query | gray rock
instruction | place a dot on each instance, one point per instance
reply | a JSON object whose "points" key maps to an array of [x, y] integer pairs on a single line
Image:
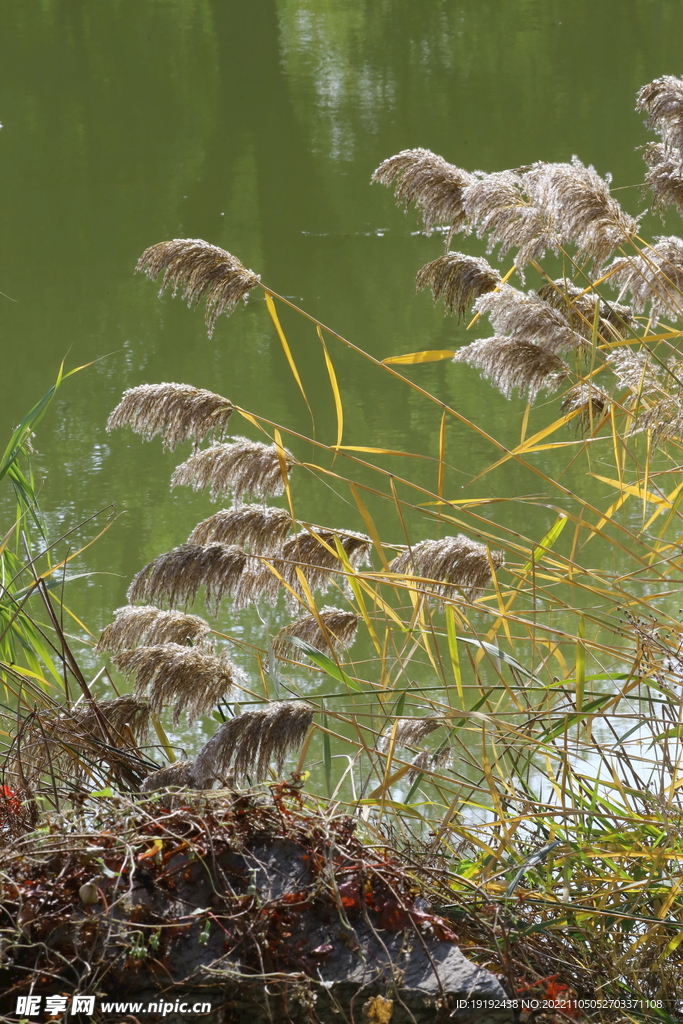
{"points": [[348, 962], [272, 917]]}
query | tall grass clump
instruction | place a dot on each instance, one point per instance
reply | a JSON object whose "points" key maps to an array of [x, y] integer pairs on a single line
{"points": [[59, 740], [513, 715]]}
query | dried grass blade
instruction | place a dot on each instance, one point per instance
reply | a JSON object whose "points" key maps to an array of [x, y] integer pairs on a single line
{"points": [[335, 388], [442, 454], [282, 459], [370, 524], [454, 653], [285, 346], [580, 664], [429, 356]]}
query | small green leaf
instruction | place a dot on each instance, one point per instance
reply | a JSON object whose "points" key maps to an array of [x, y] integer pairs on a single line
{"points": [[325, 663]]}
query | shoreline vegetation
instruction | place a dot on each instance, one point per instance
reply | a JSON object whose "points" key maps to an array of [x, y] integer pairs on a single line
{"points": [[533, 788]]}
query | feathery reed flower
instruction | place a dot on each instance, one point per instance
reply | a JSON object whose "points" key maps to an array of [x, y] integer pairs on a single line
{"points": [[448, 563], [662, 101], [635, 371], [187, 678], [312, 555], [55, 739], [200, 269], [135, 625], [496, 205], [409, 731], [458, 279], [119, 713], [664, 177], [514, 364], [261, 528], [246, 744], [664, 419], [578, 307], [654, 277], [590, 401], [177, 575], [429, 761], [435, 186], [176, 411], [337, 632], [179, 774], [526, 316], [578, 201], [241, 466]]}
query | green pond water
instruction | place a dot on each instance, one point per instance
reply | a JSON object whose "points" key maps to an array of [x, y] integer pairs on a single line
{"points": [[256, 126]]}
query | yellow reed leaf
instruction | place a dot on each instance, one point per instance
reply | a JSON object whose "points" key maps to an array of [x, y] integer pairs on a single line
{"points": [[374, 451], [370, 524], [442, 454], [453, 651], [530, 444], [424, 635], [525, 422], [285, 345], [282, 459], [250, 419], [378, 599], [546, 543], [673, 945], [674, 498], [420, 357], [335, 388], [634, 489], [387, 783], [357, 586]]}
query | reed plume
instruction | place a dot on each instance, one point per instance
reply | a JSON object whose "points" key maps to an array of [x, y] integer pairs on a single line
{"points": [[135, 625], [526, 316], [664, 419], [312, 555], [176, 411], [496, 205], [334, 630], [664, 177], [246, 745], [591, 403], [655, 277], [55, 740], [578, 201], [187, 678], [578, 308], [448, 563], [242, 467], [458, 279], [177, 575], [199, 269], [180, 774], [514, 364], [119, 714], [429, 761], [435, 186], [662, 101], [409, 731], [260, 528], [635, 371]]}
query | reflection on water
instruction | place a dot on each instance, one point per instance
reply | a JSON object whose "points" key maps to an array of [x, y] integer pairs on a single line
{"points": [[257, 126]]}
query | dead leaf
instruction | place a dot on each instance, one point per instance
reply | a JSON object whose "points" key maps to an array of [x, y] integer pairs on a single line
{"points": [[379, 1010]]}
